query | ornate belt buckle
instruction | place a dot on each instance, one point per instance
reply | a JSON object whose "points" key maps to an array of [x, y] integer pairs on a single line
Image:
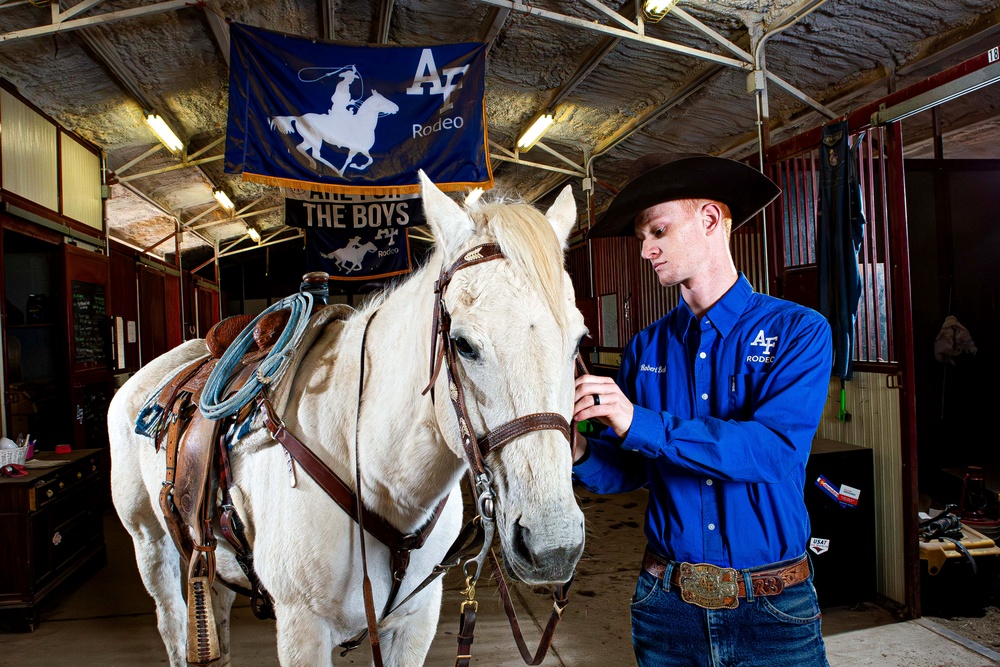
{"points": [[709, 587]]}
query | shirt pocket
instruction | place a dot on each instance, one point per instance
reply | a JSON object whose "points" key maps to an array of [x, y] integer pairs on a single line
{"points": [[745, 390]]}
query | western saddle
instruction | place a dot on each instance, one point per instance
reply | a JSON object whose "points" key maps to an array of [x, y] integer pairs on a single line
{"points": [[198, 470]]}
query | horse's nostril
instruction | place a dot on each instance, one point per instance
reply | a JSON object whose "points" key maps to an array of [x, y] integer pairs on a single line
{"points": [[521, 536]]}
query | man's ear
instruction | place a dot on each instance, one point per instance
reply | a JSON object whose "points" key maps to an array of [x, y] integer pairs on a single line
{"points": [[712, 218]]}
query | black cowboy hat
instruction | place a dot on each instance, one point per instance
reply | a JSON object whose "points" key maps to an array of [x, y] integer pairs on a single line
{"points": [[662, 177]]}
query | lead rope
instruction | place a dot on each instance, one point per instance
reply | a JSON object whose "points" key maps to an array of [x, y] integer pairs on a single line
{"points": [[366, 583]]}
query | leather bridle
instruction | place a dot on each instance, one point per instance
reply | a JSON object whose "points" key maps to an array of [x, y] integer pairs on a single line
{"points": [[480, 476], [443, 353]]}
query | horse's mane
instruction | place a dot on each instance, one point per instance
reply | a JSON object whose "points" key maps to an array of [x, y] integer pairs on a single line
{"points": [[529, 243], [527, 240]]}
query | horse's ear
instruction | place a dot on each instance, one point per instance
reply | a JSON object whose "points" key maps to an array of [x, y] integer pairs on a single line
{"points": [[452, 227], [562, 214]]}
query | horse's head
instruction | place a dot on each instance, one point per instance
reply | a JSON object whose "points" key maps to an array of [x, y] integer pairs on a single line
{"points": [[515, 330], [378, 103]]}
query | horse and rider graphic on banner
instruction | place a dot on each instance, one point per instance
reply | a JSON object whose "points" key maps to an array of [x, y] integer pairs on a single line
{"points": [[349, 124], [392, 112]]}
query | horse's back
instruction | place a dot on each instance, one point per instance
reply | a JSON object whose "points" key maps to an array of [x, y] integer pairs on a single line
{"points": [[134, 460]]}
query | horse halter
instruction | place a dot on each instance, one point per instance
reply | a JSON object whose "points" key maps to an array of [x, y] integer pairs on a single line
{"points": [[443, 350]]}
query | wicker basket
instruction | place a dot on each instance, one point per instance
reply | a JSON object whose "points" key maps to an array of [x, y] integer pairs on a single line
{"points": [[15, 456]]}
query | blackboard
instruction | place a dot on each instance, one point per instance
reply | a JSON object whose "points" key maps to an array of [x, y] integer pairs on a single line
{"points": [[90, 334]]}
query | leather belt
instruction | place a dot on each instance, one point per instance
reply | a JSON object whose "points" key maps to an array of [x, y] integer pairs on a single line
{"points": [[714, 587]]}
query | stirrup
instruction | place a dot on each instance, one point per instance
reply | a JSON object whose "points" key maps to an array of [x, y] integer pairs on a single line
{"points": [[202, 633]]}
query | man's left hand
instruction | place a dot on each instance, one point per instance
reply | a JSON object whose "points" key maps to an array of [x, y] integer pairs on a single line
{"points": [[601, 399]]}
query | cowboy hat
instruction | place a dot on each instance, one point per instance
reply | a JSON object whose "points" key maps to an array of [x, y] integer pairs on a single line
{"points": [[661, 177]]}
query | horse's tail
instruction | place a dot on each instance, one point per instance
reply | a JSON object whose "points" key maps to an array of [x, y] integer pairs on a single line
{"points": [[285, 124]]}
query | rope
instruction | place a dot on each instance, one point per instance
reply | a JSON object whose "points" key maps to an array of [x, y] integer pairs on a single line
{"points": [[271, 368]]}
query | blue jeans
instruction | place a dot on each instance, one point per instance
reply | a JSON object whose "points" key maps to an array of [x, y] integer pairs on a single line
{"points": [[775, 631]]}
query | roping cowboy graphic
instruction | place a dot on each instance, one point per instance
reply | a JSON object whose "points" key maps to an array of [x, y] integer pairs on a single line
{"points": [[350, 258], [341, 126]]}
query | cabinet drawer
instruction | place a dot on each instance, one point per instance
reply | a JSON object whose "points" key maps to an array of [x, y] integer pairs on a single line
{"points": [[67, 525], [60, 482]]}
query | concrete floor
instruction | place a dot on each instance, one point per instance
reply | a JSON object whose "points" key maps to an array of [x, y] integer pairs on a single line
{"points": [[108, 620]]}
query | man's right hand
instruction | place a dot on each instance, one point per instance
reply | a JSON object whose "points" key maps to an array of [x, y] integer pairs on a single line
{"points": [[599, 398]]}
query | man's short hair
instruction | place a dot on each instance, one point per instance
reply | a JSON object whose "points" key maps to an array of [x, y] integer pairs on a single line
{"points": [[692, 206]]}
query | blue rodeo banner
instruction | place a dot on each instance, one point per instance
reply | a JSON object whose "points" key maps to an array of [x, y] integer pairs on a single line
{"points": [[304, 113], [355, 237]]}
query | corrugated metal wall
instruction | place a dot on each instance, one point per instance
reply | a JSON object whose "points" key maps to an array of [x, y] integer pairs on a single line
{"points": [[29, 153], [875, 425], [81, 183]]}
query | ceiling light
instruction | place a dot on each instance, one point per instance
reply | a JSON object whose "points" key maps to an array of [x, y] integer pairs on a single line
{"points": [[164, 133], [253, 233], [654, 10], [224, 200], [535, 131]]}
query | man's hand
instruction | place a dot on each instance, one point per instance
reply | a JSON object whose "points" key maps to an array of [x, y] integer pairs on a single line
{"points": [[601, 399]]}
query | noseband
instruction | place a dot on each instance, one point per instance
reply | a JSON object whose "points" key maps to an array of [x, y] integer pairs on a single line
{"points": [[443, 350]]}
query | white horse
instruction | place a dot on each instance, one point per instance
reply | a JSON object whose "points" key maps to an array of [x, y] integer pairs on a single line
{"points": [[338, 127], [516, 330], [351, 255]]}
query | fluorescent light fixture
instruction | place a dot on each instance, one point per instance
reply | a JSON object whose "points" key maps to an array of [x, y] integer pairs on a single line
{"points": [[535, 131], [164, 133], [654, 10], [253, 233], [224, 200]]}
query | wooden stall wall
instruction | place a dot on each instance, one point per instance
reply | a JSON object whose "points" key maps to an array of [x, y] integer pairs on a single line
{"points": [[124, 309]]}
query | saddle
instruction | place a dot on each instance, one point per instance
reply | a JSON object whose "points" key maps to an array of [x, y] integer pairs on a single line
{"points": [[196, 463]]}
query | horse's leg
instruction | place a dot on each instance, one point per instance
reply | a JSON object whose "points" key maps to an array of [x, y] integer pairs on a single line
{"points": [[350, 156], [303, 637], [406, 639], [316, 154], [304, 148], [222, 605], [159, 567], [365, 165]]}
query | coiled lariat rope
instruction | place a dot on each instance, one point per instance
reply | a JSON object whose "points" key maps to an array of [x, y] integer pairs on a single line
{"points": [[271, 367]]}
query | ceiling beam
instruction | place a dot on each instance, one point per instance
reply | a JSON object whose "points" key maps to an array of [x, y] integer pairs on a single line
{"points": [[183, 165], [385, 8], [495, 20], [104, 53], [220, 29], [328, 11], [953, 42], [616, 32], [100, 19]]}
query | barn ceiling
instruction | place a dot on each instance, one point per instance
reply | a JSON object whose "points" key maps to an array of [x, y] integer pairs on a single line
{"points": [[614, 95]]}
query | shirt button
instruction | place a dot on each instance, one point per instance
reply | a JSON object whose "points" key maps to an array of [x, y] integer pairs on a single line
{"points": [[702, 355], [711, 526], [704, 397], [709, 482]]}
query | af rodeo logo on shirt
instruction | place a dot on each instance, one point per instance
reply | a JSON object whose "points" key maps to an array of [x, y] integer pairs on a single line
{"points": [[766, 344], [363, 120]]}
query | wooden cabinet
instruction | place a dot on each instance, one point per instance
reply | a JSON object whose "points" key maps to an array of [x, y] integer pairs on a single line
{"points": [[51, 527]]}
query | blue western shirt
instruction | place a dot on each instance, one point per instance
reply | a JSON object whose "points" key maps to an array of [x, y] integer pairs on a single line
{"points": [[725, 412]]}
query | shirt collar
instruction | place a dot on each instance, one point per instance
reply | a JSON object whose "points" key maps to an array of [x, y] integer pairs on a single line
{"points": [[723, 315], [727, 310]]}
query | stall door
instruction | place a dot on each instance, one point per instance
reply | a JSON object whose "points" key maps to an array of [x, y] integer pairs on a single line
{"points": [[89, 332]]}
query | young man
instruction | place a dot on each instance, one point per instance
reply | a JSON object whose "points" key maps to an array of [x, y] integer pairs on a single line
{"points": [[714, 411]]}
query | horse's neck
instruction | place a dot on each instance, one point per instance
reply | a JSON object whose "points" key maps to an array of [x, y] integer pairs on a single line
{"points": [[406, 466], [408, 458]]}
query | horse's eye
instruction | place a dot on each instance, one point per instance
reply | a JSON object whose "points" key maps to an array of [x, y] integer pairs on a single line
{"points": [[465, 348]]}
